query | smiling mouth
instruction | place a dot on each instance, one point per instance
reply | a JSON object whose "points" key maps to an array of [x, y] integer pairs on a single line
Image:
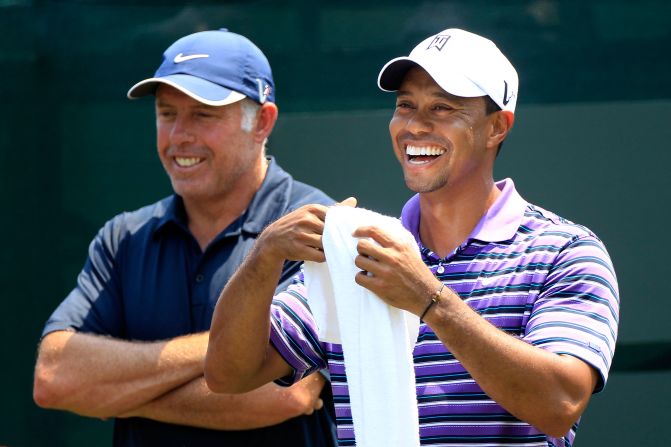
{"points": [[187, 162], [419, 155]]}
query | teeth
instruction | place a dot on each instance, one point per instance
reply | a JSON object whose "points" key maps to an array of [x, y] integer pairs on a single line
{"points": [[424, 150], [187, 161]]}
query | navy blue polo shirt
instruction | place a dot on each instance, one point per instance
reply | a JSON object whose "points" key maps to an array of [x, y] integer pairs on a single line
{"points": [[146, 278]]}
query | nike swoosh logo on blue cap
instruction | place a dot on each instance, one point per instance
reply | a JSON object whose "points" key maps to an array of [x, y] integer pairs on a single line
{"points": [[181, 58]]}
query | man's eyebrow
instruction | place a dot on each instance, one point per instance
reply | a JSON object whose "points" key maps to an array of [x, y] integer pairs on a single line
{"points": [[438, 94], [162, 103], [444, 95]]}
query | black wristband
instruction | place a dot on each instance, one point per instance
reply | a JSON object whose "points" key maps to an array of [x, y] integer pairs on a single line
{"points": [[434, 299]]}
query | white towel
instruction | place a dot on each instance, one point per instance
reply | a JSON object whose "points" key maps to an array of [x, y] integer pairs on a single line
{"points": [[377, 339]]}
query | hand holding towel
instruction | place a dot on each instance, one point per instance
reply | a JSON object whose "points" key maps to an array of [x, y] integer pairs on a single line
{"points": [[377, 339]]}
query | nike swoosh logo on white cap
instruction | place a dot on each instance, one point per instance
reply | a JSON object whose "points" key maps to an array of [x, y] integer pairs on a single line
{"points": [[181, 58]]}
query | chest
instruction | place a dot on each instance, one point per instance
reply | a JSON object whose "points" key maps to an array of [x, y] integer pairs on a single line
{"points": [[170, 288], [500, 282]]}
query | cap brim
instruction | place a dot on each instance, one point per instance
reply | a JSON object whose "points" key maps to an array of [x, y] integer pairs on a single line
{"points": [[199, 89], [452, 81], [393, 72]]}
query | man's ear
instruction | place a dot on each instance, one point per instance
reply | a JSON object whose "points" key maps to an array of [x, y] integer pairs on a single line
{"points": [[502, 122], [265, 122]]}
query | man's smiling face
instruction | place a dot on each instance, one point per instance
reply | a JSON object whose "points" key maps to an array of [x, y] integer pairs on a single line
{"points": [[203, 148], [439, 139]]}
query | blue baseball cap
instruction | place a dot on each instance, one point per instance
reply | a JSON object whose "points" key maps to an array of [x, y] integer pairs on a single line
{"points": [[213, 67]]}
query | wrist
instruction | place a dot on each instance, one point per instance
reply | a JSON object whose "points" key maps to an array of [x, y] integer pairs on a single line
{"points": [[434, 299], [295, 403], [266, 252]]}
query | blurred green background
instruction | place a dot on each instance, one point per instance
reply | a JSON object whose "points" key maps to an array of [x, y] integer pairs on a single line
{"points": [[591, 142]]}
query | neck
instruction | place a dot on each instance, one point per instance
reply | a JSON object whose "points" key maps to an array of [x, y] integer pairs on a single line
{"points": [[448, 217], [209, 217]]}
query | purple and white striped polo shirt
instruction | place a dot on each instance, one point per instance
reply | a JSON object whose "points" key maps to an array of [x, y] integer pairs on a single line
{"points": [[529, 272]]}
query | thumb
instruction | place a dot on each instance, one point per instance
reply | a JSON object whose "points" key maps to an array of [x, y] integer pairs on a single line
{"points": [[350, 201]]}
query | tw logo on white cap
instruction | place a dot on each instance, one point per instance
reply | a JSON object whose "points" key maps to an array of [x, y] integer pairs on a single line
{"points": [[439, 41]]}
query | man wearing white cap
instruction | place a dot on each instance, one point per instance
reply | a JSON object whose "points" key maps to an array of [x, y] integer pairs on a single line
{"points": [[519, 307], [129, 341]]}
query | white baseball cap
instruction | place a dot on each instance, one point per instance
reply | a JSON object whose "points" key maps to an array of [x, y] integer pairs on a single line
{"points": [[462, 63]]}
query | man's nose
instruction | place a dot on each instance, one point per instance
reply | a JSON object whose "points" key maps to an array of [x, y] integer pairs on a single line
{"points": [[418, 123], [181, 131]]}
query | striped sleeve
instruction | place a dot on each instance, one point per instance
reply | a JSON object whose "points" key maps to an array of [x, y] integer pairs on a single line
{"points": [[293, 334], [577, 310]]}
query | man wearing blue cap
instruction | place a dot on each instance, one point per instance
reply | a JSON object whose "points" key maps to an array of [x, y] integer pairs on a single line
{"points": [[129, 341]]}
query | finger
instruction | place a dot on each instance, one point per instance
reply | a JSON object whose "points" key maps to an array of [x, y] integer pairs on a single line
{"points": [[304, 252], [366, 264], [313, 254], [365, 280], [381, 237], [305, 232], [320, 380], [368, 248], [363, 231], [311, 240], [319, 404], [350, 201], [316, 210]]}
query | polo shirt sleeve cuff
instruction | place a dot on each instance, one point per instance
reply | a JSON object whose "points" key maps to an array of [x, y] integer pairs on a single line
{"points": [[291, 356], [589, 353], [294, 336], [577, 310]]}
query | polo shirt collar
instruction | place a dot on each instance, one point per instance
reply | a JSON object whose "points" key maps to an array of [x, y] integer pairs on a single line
{"points": [[172, 212], [267, 205], [271, 200], [500, 222]]}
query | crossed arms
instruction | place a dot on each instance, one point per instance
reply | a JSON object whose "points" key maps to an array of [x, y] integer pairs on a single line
{"points": [[104, 377]]}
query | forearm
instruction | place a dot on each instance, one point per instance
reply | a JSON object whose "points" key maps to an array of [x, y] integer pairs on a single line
{"points": [[239, 351], [240, 357], [195, 405], [544, 389], [102, 377]]}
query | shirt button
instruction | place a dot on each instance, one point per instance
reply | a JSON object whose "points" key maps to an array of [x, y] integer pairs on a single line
{"points": [[200, 278], [440, 269]]}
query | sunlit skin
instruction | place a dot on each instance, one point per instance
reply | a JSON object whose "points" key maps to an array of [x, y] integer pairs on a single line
{"points": [[203, 149], [427, 116], [217, 168], [456, 184]]}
